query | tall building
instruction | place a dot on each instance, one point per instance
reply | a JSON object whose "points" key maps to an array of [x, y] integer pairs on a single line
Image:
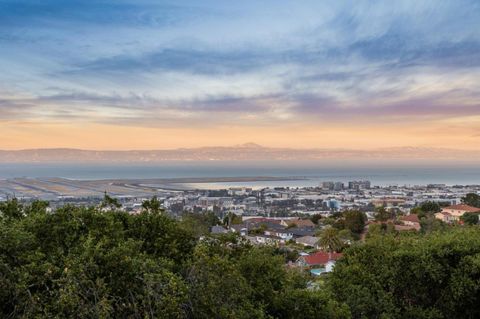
{"points": [[359, 185], [338, 186], [328, 185]]}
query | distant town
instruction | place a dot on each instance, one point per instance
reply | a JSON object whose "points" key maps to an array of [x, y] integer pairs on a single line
{"points": [[276, 215], [325, 199]]}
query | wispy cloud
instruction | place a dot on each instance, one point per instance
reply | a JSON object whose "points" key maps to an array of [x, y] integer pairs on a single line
{"points": [[184, 62]]}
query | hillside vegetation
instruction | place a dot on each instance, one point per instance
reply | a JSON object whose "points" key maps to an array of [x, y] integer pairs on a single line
{"points": [[85, 262]]}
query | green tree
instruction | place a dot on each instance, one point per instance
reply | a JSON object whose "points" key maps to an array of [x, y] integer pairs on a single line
{"points": [[316, 218], [470, 218], [199, 224], [382, 214], [430, 224], [266, 274], [355, 221], [109, 202], [217, 289], [426, 209], [232, 219], [430, 207], [415, 276], [345, 236], [152, 205], [11, 209], [471, 199], [329, 240]]}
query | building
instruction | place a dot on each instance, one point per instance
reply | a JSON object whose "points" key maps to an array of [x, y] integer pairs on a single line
{"points": [[453, 213], [359, 185], [269, 240], [298, 222], [318, 259], [445, 217], [328, 185], [218, 230], [307, 241], [412, 221]]}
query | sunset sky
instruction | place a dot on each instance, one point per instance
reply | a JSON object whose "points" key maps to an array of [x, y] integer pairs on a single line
{"points": [[167, 74]]}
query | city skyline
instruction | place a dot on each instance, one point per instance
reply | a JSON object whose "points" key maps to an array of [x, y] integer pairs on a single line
{"points": [[169, 74]]}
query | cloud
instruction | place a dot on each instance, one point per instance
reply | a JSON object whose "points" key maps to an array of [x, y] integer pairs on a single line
{"points": [[180, 62], [176, 60], [105, 13]]}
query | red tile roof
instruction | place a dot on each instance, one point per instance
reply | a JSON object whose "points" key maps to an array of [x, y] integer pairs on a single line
{"points": [[321, 258], [410, 218], [463, 207]]}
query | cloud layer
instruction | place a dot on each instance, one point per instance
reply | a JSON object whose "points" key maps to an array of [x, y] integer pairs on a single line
{"points": [[210, 64]]}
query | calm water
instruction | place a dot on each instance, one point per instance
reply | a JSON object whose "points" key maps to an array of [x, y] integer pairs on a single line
{"points": [[380, 173]]}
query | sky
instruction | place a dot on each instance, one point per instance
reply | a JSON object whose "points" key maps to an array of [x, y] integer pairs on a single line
{"points": [[305, 74]]}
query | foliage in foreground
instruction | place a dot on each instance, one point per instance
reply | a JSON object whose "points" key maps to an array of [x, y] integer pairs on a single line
{"points": [[81, 262], [431, 276], [87, 263]]}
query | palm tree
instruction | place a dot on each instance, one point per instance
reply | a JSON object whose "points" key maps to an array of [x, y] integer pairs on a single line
{"points": [[329, 240]]}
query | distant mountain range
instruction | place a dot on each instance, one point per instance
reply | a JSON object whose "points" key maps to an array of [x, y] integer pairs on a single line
{"points": [[248, 151]]}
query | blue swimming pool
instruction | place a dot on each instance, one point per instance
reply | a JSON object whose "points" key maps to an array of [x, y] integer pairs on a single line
{"points": [[317, 272]]}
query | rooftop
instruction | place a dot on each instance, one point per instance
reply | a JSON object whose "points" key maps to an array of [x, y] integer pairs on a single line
{"points": [[464, 207], [321, 258]]}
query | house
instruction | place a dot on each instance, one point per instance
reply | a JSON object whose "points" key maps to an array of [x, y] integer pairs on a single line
{"points": [[320, 258], [454, 212], [267, 224], [269, 240], [445, 217], [218, 230], [298, 222], [411, 221], [289, 233], [307, 241], [282, 233], [239, 228], [301, 232]]}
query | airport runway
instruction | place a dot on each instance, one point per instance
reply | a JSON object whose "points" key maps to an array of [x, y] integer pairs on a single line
{"points": [[55, 188]]}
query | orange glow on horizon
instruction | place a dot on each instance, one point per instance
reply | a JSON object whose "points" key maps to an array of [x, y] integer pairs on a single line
{"points": [[24, 135]]}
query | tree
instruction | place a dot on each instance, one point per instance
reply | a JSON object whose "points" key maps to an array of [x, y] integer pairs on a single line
{"points": [[346, 236], [109, 202], [232, 219], [217, 289], [152, 206], [316, 218], [470, 218], [416, 276], [265, 273], [430, 207], [199, 224], [329, 240], [426, 209], [430, 224], [471, 199], [11, 209], [381, 229], [355, 221], [382, 215], [300, 303], [37, 206]]}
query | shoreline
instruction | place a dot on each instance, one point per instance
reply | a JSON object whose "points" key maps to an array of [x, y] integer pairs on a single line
{"points": [[53, 187]]}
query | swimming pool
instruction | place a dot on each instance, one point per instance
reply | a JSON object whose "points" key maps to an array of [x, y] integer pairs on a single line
{"points": [[317, 272]]}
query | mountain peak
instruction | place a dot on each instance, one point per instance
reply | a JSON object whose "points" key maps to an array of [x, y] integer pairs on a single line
{"points": [[249, 145]]}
